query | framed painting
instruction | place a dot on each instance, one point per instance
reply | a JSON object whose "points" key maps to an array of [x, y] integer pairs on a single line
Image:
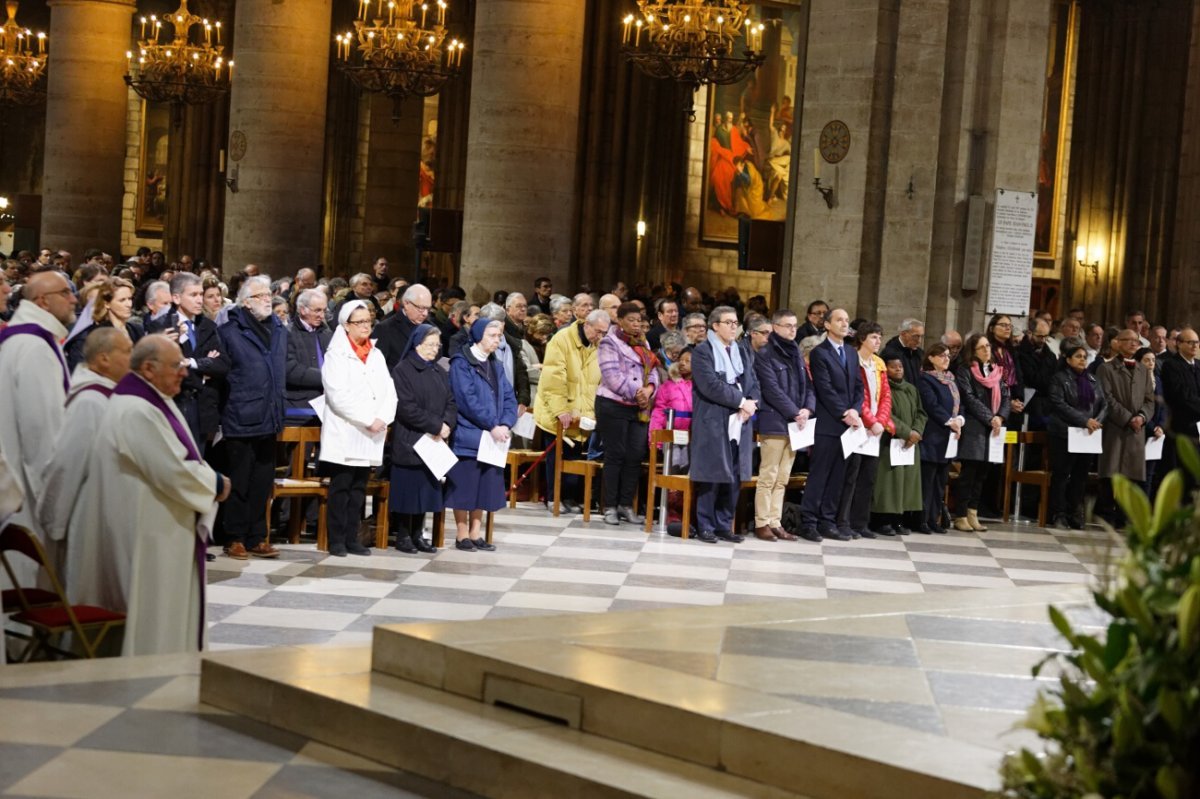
{"points": [[151, 206], [748, 135], [1056, 105]]}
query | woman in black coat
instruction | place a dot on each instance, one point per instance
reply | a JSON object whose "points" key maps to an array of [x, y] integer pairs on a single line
{"points": [[425, 407], [1075, 400], [985, 404], [940, 398]]}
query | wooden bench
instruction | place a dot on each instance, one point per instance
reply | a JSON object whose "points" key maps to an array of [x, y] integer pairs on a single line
{"points": [[1035, 477]]}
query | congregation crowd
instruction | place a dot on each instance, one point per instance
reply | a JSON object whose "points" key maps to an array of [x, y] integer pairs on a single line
{"points": [[139, 394]]}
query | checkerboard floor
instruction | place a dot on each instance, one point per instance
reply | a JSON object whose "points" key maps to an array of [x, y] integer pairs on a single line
{"points": [[554, 565]]}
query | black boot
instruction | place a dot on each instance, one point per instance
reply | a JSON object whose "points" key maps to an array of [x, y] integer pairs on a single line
{"points": [[417, 534], [403, 528]]}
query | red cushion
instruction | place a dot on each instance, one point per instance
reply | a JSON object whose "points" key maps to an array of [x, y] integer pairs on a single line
{"points": [[34, 596], [57, 617]]}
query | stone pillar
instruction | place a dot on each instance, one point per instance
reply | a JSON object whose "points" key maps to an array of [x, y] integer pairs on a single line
{"points": [[390, 202], [277, 135], [520, 196], [85, 125]]}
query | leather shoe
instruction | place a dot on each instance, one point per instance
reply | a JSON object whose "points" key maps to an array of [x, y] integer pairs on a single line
{"points": [[611, 517], [237, 551], [422, 546], [210, 557], [465, 544], [355, 548], [764, 533], [902, 530], [628, 514], [405, 545], [263, 550], [482, 545], [864, 533], [938, 529], [567, 506], [837, 534], [729, 535], [810, 534], [704, 535], [885, 530], [782, 535], [337, 552], [923, 529]]}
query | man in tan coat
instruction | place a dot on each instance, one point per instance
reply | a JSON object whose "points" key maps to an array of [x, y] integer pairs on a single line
{"points": [[1129, 387]]}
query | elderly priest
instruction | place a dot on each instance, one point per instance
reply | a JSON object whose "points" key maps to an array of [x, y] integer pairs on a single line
{"points": [[146, 485]]}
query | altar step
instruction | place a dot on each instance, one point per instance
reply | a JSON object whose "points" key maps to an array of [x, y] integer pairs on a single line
{"points": [[332, 696]]}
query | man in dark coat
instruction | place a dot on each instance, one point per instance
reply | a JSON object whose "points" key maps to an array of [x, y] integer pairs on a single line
{"points": [[256, 343], [307, 340], [787, 398], [906, 348], [199, 397], [723, 385], [392, 333], [837, 383], [1181, 384], [1038, 365], [814, 320]]}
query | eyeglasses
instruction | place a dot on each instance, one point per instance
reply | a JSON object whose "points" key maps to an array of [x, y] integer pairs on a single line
{"points": [[418, 307], [762, 332], [1003, 324], [726, 322], [177, 365], [260, 296], [1189, 341], [358, 321]]}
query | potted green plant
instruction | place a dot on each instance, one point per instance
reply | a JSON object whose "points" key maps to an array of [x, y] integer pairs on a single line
{"points": [[1124, 717]]}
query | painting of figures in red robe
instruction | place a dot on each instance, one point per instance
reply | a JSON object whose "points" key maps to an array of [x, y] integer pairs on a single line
{"points": [[748, 135]]}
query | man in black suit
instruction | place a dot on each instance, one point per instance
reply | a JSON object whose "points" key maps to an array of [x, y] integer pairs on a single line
{"points": [[1181, 384], [837, 383], [199, 398], [308, 339]]}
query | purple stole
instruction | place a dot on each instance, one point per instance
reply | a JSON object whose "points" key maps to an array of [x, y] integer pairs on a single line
{"points": [[107, 392], [132, 385], [46, 336]]}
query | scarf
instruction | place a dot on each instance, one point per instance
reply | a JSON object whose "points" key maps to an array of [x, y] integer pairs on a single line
{"points": [[947, 380], [45, 335], [992, 381], [638, 344], [1004, 360], [363, 351], [727, 362], [1084, 393]]}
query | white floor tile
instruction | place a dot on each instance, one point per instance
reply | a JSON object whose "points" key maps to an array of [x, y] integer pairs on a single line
{"points": [[953, 559], [332, 586], [566, 604], [775, 567], [472, 582], [498, 558], [683, 572], [531, 539], [864, 562], [873, 586], [775, 590], [689, 549], [1050, 577], [417, 609], [588, 553], [574, 576], [676, 595], [292, 618], [964, 580], [1034, 554], [219, 594]]}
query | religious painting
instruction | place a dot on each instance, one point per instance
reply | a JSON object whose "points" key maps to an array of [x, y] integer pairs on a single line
{"points": [[1056, 103], [151, 205], [748, 135], [427, 175]]}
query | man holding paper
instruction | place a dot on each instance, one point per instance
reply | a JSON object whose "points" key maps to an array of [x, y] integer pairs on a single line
{"points": [[1129, 388], [1076, 402], [787, 402], [838, 387]]}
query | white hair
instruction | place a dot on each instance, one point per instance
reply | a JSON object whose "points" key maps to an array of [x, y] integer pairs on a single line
{"points": [[248, 286], [157, 286], [909, 324], [304, 299], [508, 301], [492, 311], [598, 316], [413, 292]]}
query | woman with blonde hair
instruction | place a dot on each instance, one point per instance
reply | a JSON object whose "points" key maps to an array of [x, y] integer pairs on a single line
{"points": [[109, 304]]}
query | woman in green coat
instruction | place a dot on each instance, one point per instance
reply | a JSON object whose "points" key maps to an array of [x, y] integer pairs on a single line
{"points": [[898, 488]]}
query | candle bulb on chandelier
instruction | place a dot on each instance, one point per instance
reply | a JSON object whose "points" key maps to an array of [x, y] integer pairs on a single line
{"points": [[218, 27], [143, 36], [441, 12], [424, 8]]}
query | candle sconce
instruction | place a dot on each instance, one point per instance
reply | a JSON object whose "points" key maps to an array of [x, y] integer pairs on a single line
{"points": [[826, 192], [1081, 257]]}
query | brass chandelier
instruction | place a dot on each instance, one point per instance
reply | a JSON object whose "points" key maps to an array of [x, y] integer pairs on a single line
{"points": [[693, 42], [176, 66], [22, 62], [400, 50]]}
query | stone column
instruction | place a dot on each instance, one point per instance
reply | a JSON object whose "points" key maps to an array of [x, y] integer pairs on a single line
{"points": [[85, 125], [390, 201], [281, 49], [519, 207]]}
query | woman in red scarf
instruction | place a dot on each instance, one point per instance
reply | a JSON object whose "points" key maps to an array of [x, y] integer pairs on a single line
{"points": [[985, 404]]}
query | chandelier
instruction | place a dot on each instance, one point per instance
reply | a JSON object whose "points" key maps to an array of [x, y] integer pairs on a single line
{"points": [[179, 68], [401, 51], [22, 63], [693, 42]]}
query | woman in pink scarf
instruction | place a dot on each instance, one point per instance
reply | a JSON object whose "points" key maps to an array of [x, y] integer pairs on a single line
{"points": [[985, 404]]}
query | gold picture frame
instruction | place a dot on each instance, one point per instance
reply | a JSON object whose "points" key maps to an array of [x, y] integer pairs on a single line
{"points": [[1056, 105], [151, 206]]}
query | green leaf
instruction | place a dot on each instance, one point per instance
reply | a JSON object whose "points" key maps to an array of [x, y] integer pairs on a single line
{"points": [[1189, 617], [1168, 780], [1170, 707], [1166, 502], [1188, 455], [1062, 625], [1135, 504], [1116, 645]]}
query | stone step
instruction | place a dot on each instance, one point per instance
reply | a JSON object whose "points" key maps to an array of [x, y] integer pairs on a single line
{"points": [[331, 695]]}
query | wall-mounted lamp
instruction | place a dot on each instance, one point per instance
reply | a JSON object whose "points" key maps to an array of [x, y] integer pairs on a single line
{"points": [[641, 229], [1092, 263], [3, 203], [910, 191], [232, 179], [825, 191]]}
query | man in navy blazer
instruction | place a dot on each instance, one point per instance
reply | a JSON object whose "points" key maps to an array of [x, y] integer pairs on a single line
{"points": [[839, 389]]}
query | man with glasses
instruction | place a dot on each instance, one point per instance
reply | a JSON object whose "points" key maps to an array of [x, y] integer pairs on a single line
{"points": [[392, 333], [814, 320], [34, 375], [907, 346], [1037, 364], [1181, 384], [695, 328], [255, 342], [1129, 387], [758, 328], [724, 385]]}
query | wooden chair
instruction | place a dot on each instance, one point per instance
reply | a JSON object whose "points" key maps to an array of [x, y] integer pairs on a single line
{"points": [[50, 619], [439, 527], [1035, 477], [381, 491], [300, 484], [588, 470], [518, 458], [657, 480]]}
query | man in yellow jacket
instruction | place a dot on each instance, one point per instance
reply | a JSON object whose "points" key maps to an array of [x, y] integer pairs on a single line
{"points": [[567, 392]]}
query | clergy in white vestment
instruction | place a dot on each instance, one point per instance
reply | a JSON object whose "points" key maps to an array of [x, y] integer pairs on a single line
{"points": [[33, 374], [106, 356], [146, 484]]}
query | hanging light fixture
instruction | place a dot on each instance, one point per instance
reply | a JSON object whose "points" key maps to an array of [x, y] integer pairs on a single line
{"points": [[693, 42], [401, 50], [22, 62], [174, 66]]}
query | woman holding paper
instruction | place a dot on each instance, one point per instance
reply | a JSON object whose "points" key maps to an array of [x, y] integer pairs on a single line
{"points": [[1074, 399], [941, 401], [985, 404], [487, 407], [359, 396], [854, 509], [1155, 428], [898, 487], [425, 409]]}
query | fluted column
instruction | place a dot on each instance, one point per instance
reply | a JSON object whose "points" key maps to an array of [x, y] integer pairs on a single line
{"points": [[82, 184], [277, 107], [520, 193]]}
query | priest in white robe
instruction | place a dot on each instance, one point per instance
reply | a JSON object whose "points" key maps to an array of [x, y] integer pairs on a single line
{"points": [[106, 354], [34, 381], [146, 485]]}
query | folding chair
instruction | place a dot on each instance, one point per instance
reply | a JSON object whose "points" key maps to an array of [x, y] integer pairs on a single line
{"points": [[51, 619], [656, 479]]}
